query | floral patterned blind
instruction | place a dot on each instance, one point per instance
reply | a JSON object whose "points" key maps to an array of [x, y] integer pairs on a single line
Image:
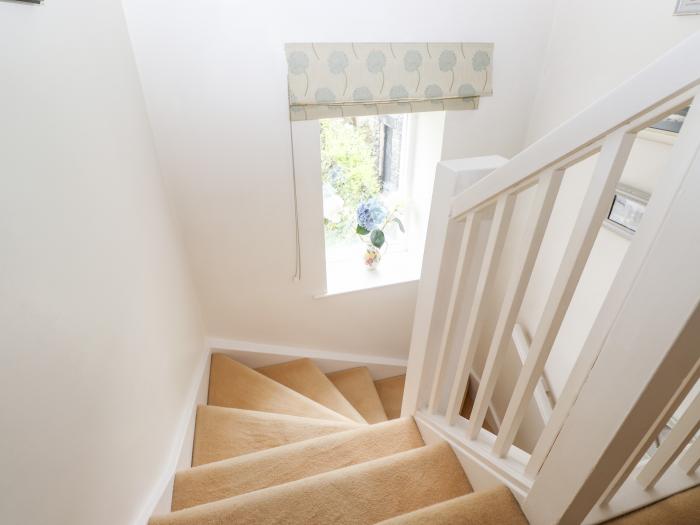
{"points": [[337, 80]]}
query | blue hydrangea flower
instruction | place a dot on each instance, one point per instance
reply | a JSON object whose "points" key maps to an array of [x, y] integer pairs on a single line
{"points": [[481, 60], [371, 213]]}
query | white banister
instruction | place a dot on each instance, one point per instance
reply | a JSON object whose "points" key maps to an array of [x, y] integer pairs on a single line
{"points": [[468, 238], [680, 435], [691, 459], [542, 390], [640, 357], [451, 177], [684, 152], [596, 203], [652, 435], [650, 349], [492, 253], [538, 218]]}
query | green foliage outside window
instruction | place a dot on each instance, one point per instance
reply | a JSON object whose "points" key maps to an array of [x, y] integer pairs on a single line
{"points": [[349, 172]]}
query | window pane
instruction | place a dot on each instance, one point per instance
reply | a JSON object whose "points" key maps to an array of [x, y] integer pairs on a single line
{"points": [[360, 160]]}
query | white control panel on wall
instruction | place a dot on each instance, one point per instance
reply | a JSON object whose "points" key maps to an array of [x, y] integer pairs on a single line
{"points": [[687, 7]]}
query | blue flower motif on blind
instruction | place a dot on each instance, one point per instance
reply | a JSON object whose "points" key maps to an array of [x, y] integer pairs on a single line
{"points": [[433, 91], [480, 62], [324, 96], [298, 64], [412, 61], [362, 94], [447, 62], [337, 64], [397, 92], [466, 90], [376, 61]]}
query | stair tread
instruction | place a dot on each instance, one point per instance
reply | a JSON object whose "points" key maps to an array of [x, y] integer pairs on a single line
{"points": [[231, 477], [303, 376], [357, 385], [390, 391], [489, 507], [364, 493], [234, 385], [222, 433]]}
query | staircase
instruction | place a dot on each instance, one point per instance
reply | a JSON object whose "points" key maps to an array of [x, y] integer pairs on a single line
{"points": [[289, 444]]}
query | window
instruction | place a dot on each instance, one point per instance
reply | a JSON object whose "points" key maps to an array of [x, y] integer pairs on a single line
{"points": [[347, 161], [361, 159]]}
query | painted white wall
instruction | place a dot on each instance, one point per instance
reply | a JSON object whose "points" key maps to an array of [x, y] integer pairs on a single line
{"points": [[594, 47], [99, 329], [214, 77]]}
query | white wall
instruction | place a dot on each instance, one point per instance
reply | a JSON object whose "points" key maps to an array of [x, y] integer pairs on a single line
{"points": [[99, 333], [594, 46], [214, 77]]}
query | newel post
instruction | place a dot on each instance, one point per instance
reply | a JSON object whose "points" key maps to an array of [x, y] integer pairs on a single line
{"points": [[451, 178]]}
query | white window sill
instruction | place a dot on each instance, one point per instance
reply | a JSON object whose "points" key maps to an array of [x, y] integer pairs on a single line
{"points": [[351, 275]]}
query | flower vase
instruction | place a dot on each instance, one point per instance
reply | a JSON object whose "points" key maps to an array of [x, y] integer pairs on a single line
{"points": [[372, 256]]}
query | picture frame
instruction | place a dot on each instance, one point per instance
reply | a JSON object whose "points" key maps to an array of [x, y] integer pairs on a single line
{"points": [[626, 210], [687, 7]]}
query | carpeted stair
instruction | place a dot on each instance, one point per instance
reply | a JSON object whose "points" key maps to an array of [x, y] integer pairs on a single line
{"points": [[357, 385], [287, 444]]}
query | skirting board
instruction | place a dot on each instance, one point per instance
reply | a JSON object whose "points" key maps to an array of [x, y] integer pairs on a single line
{"points": [[180, 456], [256, 355]]}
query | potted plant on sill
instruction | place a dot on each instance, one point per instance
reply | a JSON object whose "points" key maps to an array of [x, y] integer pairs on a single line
{"points": [[372, 219]]}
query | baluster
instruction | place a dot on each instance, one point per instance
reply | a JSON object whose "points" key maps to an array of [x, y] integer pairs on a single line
{"points": [[684, 153], [468, 237], [540, 211], [494, 247], [691, 459], [596, 204], [672, 446]]}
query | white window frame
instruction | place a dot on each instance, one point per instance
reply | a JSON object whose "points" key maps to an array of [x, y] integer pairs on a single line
{"points": [[314, 270]]}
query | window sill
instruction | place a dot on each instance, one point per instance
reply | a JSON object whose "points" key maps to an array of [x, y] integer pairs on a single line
{"points": [[350, 275]]}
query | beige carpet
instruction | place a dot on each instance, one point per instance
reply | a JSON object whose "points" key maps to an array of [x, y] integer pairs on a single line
{"points": [[224, 479], [680, 509], [234, 385], [357, 386], [222, 433], [489, 507], [306, 378], [390, 391], [360, 494]]}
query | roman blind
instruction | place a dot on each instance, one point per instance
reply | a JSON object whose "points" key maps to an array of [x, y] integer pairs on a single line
{"points": [[353, 79]]}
